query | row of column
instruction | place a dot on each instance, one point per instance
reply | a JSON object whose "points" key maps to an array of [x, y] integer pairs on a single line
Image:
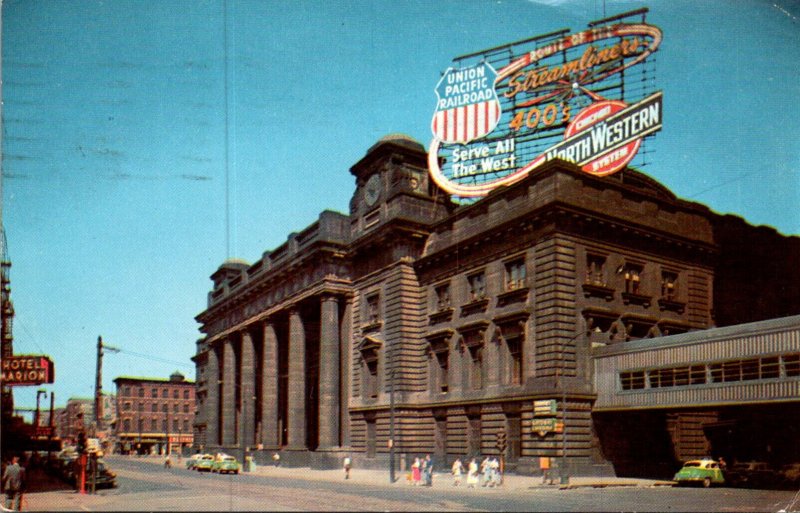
{"points": [[223, 387]]}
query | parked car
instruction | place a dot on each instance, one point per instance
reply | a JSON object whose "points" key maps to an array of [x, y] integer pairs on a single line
{"points": [[192, 461], [225, 464], [105, 478], [789, 475], [204, 463], [705, 472], [751, 474]]}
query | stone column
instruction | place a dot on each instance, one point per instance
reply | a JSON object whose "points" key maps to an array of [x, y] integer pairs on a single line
{"points": [[247, 422], [212, 399], [269, 389], [329, 373], [228, 394], [346, 336], [297, 382]]}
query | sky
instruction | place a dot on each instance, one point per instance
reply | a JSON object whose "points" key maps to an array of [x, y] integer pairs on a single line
{"points": [[143, 143]]}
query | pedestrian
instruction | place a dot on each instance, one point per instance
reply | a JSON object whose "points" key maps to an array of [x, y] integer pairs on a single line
{"points": [[347, 463], [457, 470], [276, 458], [472, 473], [496, 477], [415, 471], [486, 471], [14, 484], [167, 462], [427, 468]]}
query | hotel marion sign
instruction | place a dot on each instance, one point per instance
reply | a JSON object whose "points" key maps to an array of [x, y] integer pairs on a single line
{"points": [[492, 127], [27, 370]]}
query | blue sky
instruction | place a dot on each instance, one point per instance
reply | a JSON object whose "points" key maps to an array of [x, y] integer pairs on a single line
{"points": [[114, 130]]}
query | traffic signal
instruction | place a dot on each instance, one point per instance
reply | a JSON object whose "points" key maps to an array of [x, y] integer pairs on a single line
{"points": [[501, 441], [81, 448]]}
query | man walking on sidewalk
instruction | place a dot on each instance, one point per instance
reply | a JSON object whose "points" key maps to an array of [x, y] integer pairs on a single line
{"points": [[14, 484]]}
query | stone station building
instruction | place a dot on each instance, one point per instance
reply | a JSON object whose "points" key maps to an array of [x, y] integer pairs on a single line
{"points": [[450, 324]]}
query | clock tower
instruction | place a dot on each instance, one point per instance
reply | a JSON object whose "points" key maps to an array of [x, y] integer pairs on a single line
{"points": [[392, 182]]}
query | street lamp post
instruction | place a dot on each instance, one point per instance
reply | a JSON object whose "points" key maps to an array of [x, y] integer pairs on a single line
{"points": [[39, 393]]}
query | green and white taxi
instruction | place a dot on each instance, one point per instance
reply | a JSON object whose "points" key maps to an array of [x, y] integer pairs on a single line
{"points": [[705, 472]]}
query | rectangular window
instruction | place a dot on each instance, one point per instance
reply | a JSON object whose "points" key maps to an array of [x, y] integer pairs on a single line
{"points": [[126, 406], [154, 392], [165, 393], [515, 274], [791, 364], [595, 269], [750, 369], [164, 408], [633, 380], [698, 374], [154, 407], [373, 309], [716, 373], [633, 277], [372, 378], [515, 365], [770, 367], [681, 376], [442, 368], [442, 297], [164, 425], [669, 285], [477, 286], [141, 392], [731, 371], [186, 425], [175, 425], [185, 394], [660, 378], [476, 367], [175, 393], [153, 425]]}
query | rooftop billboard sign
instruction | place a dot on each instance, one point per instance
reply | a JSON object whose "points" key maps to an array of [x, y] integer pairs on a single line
{"points": [[561, 95]]}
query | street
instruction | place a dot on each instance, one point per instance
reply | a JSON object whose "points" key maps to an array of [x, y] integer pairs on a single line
{"points": [[145, 485]]}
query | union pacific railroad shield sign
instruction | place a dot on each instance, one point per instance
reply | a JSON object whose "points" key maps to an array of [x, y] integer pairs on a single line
{"points": [[467, 107]]}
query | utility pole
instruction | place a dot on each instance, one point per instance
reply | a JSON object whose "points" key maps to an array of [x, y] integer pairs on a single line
{"points": [[98, 383], [98, 386]]}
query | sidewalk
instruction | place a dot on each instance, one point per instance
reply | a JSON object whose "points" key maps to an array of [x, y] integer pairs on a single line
{"points": [[510, 481], [381, 478]]}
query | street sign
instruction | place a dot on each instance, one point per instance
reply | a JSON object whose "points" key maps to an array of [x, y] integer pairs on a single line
{"points": [[544, 408], [543, 426]]}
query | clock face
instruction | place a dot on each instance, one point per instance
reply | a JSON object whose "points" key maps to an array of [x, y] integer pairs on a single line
{"points": [[372, 190]]}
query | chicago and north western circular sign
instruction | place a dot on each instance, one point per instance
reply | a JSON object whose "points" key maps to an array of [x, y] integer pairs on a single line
{"points": [[585, 97]]}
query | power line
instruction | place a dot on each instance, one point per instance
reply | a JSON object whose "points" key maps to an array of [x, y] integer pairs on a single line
{"points": [[155, 358], [721, 184]]}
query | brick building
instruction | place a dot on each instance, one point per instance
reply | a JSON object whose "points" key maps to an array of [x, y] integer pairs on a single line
{"points": [[75, 418], [153, 414], [450, 324]]}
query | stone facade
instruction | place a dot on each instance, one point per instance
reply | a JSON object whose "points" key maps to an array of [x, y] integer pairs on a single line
{"points": [[463, 317]]}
